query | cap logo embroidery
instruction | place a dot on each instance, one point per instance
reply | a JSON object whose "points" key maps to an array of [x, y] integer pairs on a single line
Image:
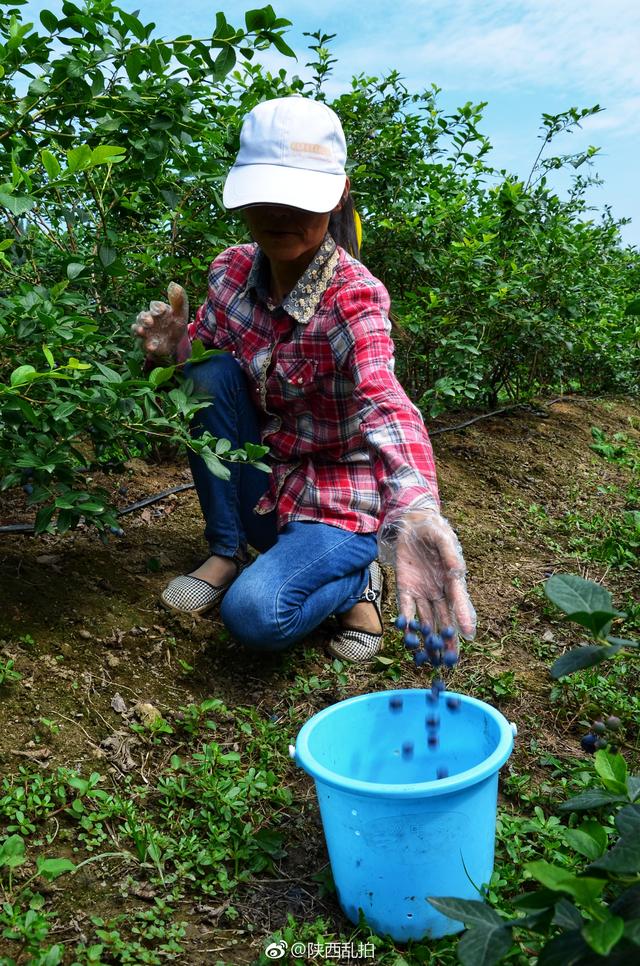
{"points": [[301, 147]]}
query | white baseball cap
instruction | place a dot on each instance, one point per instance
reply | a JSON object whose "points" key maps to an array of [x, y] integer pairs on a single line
{"points": [[292, 152]]}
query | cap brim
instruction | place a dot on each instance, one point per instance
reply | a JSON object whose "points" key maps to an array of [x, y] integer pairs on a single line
{"points": [[272, 184]]}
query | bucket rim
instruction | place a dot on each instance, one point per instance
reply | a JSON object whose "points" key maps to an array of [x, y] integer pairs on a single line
{"points": [[438, 786]]}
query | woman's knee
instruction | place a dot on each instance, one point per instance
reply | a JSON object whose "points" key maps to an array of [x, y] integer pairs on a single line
{"points": [[250, 614], [217, 373]]}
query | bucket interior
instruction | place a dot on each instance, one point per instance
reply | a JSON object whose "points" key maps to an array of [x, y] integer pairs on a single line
{"points": [[363, 740]]}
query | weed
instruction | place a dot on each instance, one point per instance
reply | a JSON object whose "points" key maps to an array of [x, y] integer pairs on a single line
{"points": [[7, 673]]}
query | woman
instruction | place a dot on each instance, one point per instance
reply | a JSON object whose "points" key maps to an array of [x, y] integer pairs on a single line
{"points": [[308, 371]]}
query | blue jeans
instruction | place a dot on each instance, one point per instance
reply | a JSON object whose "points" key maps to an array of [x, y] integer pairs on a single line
{"points": [[305, 572]]}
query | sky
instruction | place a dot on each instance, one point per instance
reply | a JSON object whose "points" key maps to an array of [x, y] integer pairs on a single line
{"points": [[524, 57]]}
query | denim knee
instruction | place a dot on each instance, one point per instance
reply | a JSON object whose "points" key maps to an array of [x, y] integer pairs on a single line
{"points": [[215, 374], [251, 617]]}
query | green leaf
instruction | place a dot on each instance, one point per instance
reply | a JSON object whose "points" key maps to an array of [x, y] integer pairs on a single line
{"points": [[633, 308], [224, 62], [256, 19], [160, 375], [628, 821], [46, 351], [52, 868], [468, 911], [612, 770], [566, 915], [107, 154], [12, 852], [79, 158], [584, 890], [16, 204], [484, 945], [603, 936], [593, 798], [48, 20], [74, 269], [280, 44], [23, 375], [43, 518], [213, 463], [623, 858], [589, 840], [51, 164], [632, 931], [581, 657], [583, 601], [107, 255]]}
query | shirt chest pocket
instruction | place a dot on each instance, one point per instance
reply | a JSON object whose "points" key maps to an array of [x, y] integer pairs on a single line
{"points": [[296, 378]]}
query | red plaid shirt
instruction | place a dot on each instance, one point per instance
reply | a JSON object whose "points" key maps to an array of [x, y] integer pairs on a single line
{"points": [[346, 444]]}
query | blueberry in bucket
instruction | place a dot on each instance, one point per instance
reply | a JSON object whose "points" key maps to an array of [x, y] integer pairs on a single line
{"points": [[453, 704], [407, 749], [395, 704], [442, 772]]}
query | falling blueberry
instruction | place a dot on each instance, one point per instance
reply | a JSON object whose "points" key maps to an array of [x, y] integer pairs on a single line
{"points": [[435, 656], [411, 641], [432, 721], [613, 723], [419, 657], [453, 704], [414, 625], [450, 658], [407, 749], [432, 740], [442, 772], [448, 633], [438, 686], [401, 622], [395, 704], [425, 630], [588, 743], [431, 698]]}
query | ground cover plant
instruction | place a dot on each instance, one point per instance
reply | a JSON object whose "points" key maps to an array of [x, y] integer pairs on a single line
{"points": [[149, 811]]}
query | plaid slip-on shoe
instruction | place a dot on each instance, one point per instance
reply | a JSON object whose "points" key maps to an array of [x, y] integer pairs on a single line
{"points": [[354, 645], [191, 595]]}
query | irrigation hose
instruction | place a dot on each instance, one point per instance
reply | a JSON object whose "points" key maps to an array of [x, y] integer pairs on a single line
{"points": [[29, 527]]}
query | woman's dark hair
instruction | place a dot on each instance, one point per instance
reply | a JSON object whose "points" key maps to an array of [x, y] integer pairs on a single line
{"points": [[342, 227]]}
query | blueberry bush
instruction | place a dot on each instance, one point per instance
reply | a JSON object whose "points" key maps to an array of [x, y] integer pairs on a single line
{"points": [[114, 147]]}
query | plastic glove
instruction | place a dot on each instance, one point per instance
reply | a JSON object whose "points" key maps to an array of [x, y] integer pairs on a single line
{"points": [[430, 569], [163, 327]]}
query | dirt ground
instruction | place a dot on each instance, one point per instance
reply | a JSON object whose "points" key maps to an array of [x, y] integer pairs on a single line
{"points": [[82, 622]]}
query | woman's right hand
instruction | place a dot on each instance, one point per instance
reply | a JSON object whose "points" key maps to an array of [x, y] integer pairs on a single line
{"points": [[163, 327]]}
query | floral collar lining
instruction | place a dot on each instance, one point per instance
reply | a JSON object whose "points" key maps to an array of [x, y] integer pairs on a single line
{"points": [[303, 300]]}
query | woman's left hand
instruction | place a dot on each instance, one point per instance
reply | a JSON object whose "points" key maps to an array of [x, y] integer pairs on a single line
{"points": [[431, 573]]}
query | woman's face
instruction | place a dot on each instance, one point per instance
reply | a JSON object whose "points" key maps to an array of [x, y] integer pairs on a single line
{"points": [[286, 234]]}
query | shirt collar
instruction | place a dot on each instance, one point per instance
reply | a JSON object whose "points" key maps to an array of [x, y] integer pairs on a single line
{"points": [[303, 300]]}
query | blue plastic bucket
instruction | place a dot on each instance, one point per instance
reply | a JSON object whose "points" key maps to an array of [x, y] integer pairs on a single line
{"points": [[396, 834]]}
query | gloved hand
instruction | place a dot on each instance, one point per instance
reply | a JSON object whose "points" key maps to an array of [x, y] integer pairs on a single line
{"points": [[163, 327], [430, 570]]}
